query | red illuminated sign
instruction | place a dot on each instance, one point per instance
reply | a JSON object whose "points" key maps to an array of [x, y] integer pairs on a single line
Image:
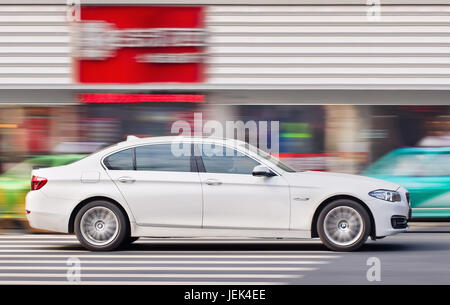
{"points": [[139, 44], [99, 98]]}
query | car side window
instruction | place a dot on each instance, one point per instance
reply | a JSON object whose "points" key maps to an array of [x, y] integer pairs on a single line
{"points": [[159, 157], [122, 160], [438, 166], [225, 160]]}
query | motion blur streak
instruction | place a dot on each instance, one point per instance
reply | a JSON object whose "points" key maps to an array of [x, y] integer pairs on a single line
{"points": [[355, 88], [141, 98]]}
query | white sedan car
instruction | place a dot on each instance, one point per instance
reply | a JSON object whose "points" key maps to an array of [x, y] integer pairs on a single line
{"points": [[202, 187]]}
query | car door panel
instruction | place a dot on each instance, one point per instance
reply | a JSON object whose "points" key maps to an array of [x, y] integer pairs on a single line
{"points": [[235, 199], [162, 198], [162, 189], [430, 196], [424, 173], [244, 201]]}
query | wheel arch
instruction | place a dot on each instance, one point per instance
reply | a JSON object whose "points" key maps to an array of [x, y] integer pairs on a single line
{"points": [[78, 207], [324, 203]]}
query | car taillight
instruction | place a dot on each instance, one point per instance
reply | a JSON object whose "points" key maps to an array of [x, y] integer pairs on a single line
{"points": [[37, 182]]}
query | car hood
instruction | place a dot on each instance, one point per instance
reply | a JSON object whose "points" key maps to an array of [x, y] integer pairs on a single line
{"points": [[338, 180]]}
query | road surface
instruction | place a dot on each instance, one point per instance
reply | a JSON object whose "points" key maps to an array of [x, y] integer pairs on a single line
{"points": [[409, 258]]}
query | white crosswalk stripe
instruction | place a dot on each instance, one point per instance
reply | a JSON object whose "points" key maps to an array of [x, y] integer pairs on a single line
{"points": [[156, 268], [43, 259], [200, 283]]}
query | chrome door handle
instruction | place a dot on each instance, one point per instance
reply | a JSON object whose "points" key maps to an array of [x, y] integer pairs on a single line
{"points": [[213, 182], [126, 179], [301, 198]]}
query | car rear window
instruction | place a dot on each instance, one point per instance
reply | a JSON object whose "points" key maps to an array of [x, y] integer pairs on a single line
{"points": [[159, 157], [439, 165], [122, 160]]}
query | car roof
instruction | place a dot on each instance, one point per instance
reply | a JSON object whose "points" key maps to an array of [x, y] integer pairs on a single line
{"points": [[57, 156], [148, 140], [133, 141], [421, 150]]}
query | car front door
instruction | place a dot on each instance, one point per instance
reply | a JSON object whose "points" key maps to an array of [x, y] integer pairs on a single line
{"points": [[233, 198], [160, 187], [430, 188]]}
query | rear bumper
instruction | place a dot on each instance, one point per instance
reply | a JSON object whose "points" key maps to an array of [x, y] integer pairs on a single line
{"points": [[44, 214]]}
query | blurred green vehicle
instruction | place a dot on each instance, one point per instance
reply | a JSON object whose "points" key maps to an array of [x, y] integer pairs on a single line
{"points": [[15, 182], [424, 172]]}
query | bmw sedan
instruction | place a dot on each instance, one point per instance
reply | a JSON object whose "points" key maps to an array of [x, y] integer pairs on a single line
{"points": [[203, 187]]}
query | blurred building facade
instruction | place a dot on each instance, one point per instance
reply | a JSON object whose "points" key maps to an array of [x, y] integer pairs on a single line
{"points": [[347, 81]]}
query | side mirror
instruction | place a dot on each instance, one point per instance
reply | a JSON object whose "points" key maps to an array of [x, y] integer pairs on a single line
{"points": [[262, 171]]}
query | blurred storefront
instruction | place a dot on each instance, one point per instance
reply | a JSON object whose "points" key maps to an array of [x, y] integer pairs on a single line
{"points": [[336, 78], [33, 130]]}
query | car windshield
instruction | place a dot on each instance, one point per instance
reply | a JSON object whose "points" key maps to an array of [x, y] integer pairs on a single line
{"points": [[269, 157]]}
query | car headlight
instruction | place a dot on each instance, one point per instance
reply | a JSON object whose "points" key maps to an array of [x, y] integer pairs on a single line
{"points": [[386, 195]]}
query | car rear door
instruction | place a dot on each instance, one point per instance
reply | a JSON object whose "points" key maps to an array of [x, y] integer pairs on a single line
{"points": [[430, 188], [161, 188]]}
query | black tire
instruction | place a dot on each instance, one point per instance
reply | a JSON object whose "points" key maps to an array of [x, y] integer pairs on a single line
{"points": [[128, 241], [132, 239], [359, 238], [117, 239]]}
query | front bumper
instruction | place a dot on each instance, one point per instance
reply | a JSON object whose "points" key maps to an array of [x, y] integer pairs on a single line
{"points": [[399, 222], [390, 217]]}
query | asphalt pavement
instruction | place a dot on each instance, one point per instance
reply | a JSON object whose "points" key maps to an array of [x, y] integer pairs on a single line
{"points": [[408, 258]]}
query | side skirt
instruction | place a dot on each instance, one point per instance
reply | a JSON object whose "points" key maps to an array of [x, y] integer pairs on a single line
{"points": [[154, 231]]}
